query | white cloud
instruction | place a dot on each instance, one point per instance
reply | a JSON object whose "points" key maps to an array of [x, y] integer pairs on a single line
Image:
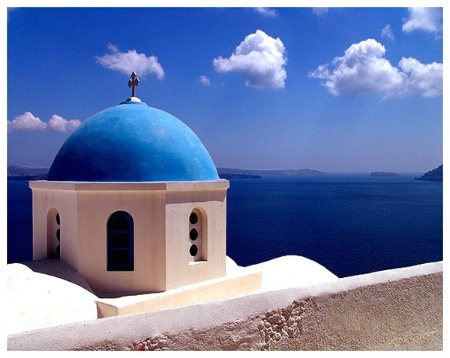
{"points": [[28, 122], [387, 32], [423, 79], [363, 69], [426, 19], [127, 62], [265, 11], [59, 124], [205, 80], [260, 59]]}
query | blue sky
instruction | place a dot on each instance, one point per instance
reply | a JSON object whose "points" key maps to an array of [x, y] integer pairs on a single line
{"points": [[333, 89]]}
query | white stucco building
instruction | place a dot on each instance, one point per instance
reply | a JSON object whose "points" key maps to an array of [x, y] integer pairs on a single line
{"points": [[133, 202]]}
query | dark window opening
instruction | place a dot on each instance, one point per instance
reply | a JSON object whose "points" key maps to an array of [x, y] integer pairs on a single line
{"points": [[193, 234], [193, 250], [120, 242], [193, 218], [53, 234], [120, 223], [197, 238], [120, 257]]}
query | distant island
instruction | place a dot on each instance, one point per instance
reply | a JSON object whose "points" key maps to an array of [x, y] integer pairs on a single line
{"points": [[16, 172], [238, 176], [436, 174], [384, 174], [231, 173]]}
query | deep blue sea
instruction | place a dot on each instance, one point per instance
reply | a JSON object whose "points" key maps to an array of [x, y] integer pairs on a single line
{"points": [[349, 223]]}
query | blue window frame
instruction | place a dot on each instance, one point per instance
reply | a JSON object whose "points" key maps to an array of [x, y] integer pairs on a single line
{"points": [[120, 242]]}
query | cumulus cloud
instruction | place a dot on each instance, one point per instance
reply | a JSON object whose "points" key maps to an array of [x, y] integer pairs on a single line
{"points": [[265, 11], [127, 62], [259, 58], [205, 80], [363, 69], [423, 79], [28, 122], [387, 32], [426, 19], [59, 124]]}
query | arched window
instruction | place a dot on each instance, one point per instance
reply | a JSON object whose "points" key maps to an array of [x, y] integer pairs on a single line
{"points": [[197, 239], [53, 234], [120, 242]]}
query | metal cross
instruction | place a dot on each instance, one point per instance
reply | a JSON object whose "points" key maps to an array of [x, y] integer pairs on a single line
{"points": [[133, 83]]}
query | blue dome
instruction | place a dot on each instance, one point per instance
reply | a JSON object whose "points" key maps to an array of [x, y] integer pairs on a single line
{"points": [[132, 142]]}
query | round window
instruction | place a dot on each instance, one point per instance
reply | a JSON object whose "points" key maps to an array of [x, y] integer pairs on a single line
{"points": [[193, 218], [193, 234], [193, 250]]}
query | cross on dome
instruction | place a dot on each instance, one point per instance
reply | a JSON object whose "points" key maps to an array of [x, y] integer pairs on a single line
{"points": [[133, 83]]}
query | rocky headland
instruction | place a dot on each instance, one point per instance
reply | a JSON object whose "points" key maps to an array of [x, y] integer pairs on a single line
{"points": [[436, 174]]}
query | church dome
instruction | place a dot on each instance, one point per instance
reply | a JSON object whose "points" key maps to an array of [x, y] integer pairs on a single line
{"points": [[132, 142]]}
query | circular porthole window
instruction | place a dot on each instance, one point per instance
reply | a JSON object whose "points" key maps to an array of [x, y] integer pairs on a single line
{"points": [[193, 218], [193, 250], [193, 234]]}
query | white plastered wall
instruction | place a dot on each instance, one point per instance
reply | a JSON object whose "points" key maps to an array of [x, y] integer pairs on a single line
{"points": [[180, 203], [160, 213], [64, 203]]}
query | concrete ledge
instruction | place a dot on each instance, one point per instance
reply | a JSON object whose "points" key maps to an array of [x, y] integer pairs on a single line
{"points": [[207, 291], [219, 184], [397, 309]]}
